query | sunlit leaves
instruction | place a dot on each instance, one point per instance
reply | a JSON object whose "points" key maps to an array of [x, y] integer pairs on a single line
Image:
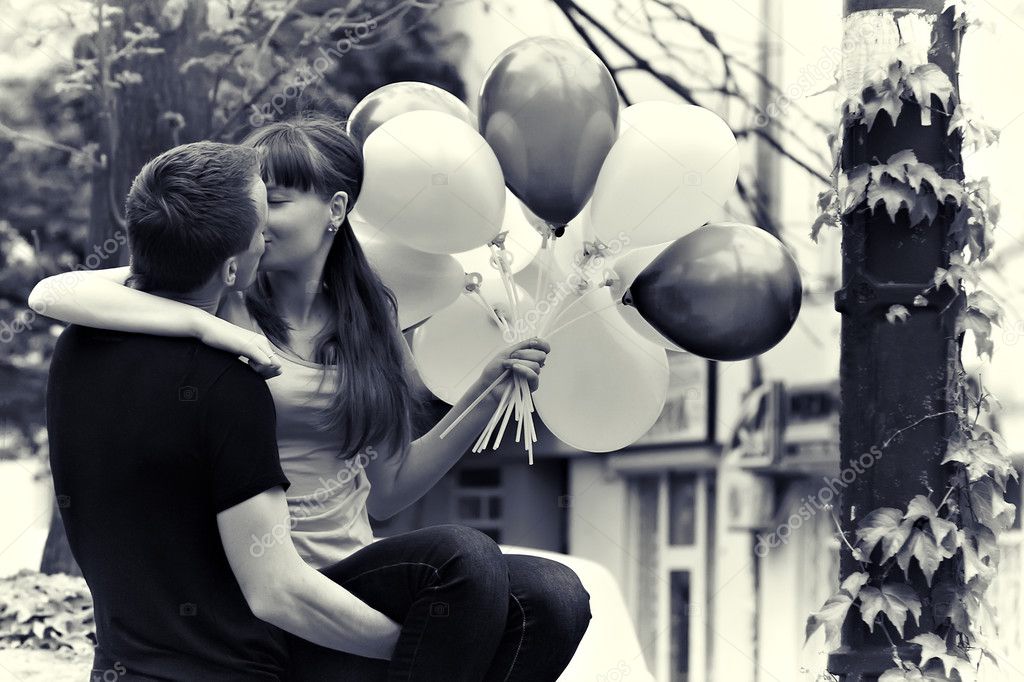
{"points": [[895, 600], [833, 613], [901, 182], [988, 506], [928, 81], [901, 84], [934, 647], [981, 457], [974, 133], [883, 525], [46, 612], [897, 313], [982, 311]]}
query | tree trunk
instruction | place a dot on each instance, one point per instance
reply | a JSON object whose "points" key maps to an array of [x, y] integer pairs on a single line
{"points": [[142, 120], [137, 122], [895, 377]]}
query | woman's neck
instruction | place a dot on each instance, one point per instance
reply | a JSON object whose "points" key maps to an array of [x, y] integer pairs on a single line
{"points": [[298, 294]]}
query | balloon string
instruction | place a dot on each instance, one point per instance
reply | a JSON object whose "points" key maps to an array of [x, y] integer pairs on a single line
{"points": [[580, 317], [479, 398], [541, 269], [479, 298]]}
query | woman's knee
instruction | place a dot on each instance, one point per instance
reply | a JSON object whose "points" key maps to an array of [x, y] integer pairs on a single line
{"points": [[557, 592], [468, 548]]}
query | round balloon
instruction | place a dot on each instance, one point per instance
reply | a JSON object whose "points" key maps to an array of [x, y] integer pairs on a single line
{"points": [[422, 283], [726, 291], [431, 182], [393, 99], [522, 242], [670, 172], [550, 111], [603, 386], [626, 268], [453, 346]]}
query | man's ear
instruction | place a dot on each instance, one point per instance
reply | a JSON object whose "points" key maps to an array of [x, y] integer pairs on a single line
{"points": [[229, 272], [339, 208]]}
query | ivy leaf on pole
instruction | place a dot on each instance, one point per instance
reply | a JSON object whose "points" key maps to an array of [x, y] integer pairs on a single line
{"points": [[982, 457], [895, 600], [934, 647], [989, 507], [833, 612], [928, 81], [883, 525]]}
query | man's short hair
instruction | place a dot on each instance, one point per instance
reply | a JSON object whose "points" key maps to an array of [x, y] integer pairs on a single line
{"points": [[188, 210]]}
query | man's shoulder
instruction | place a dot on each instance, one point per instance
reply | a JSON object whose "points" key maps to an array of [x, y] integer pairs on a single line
{"points": [[205, 363]]}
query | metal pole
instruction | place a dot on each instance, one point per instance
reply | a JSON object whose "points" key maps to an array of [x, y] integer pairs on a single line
{"points": [[893, 375]]}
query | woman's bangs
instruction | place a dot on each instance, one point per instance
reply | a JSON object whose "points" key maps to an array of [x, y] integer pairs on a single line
{"points": [[287, 161]]}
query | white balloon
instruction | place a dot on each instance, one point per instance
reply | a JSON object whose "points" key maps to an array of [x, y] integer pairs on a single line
{"points": [[432, 182], [453, 346], [603, 386], [671, 170], [521, 243], [422, 283]]}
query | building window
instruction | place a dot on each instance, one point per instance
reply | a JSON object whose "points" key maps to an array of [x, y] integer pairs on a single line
{"points": [[478, 500], [680, 624], [682, 501]]}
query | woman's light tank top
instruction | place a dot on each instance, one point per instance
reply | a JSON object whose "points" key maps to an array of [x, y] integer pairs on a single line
{"points": [[327, 497]]}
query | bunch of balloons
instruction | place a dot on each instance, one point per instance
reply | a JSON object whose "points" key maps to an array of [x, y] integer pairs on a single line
{"points": [[551, 212]]}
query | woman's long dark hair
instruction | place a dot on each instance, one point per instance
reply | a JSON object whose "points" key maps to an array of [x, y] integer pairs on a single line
{"points": [[360, 351]]}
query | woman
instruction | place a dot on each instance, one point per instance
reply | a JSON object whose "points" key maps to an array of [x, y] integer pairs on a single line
{"points": [[320, 314]]}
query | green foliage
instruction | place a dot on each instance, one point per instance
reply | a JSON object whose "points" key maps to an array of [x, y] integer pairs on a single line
{"points": [[52, 612]]}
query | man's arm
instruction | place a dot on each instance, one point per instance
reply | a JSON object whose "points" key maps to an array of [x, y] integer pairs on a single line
{"points": [[101, 299], [239, 442], [283, 590]]}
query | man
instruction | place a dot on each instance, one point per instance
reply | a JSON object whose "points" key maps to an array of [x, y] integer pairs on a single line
{"points": [[165, 461]]}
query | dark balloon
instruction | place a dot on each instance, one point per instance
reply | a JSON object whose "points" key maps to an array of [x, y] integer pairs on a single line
{"points": [[550, 111], [726, 291], [394, 99]]}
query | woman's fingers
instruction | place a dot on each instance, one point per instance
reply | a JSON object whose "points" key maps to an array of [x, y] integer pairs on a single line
{"points": [[263, 357], [265, 371], [535, 343], [526, 369], [530, 354]]}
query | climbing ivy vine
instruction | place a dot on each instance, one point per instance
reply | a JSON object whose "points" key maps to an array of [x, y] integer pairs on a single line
{"points": [[962, 527]]}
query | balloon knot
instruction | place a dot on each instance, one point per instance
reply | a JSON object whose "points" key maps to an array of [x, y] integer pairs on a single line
{"points": [[594, 248], [499, 239], [472, 281]]}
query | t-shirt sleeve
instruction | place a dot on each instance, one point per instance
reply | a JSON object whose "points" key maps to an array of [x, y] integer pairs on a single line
{"points": [[240, 438]]}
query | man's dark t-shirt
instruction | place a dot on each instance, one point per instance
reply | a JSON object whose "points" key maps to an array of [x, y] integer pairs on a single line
{"points": [[150, 438]]}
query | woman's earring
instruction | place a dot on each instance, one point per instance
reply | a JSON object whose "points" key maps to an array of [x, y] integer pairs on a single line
{"points": [[332, 228]]}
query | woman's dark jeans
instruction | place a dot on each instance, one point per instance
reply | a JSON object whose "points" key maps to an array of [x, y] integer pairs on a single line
{"points": [[468, 612]]}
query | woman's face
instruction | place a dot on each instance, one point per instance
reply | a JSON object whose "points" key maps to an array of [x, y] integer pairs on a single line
{"points": [[297, 225]]}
